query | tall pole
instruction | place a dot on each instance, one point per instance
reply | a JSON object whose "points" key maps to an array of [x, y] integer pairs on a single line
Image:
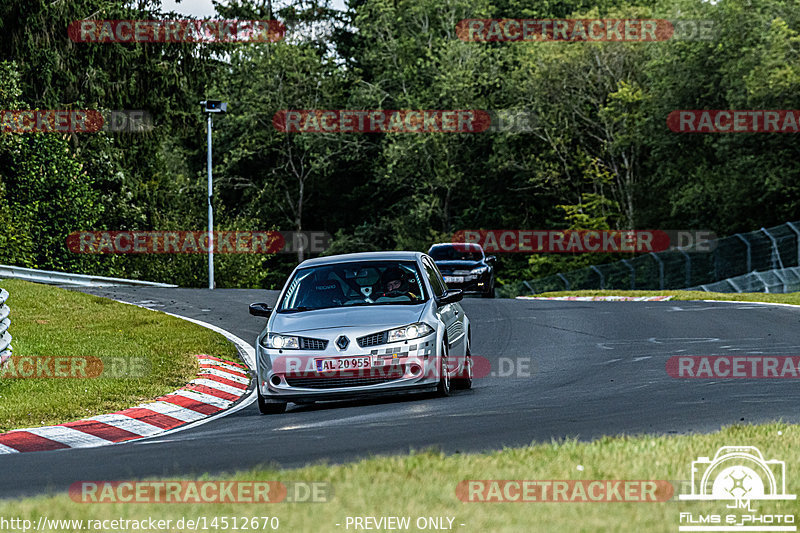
{"points": [[210, 214]]}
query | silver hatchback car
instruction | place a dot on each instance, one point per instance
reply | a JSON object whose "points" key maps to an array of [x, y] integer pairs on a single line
{"points": [[362, 325]]}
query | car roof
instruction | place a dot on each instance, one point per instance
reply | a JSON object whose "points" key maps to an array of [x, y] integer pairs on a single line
{"points": [[459, 244], [362, 256]]}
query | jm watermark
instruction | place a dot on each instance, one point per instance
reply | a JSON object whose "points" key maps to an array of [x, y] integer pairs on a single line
{"points": [[737, 476]]}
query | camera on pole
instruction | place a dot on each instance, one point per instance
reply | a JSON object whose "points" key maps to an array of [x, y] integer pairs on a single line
{"points": [[209, 107], [214, 106]]}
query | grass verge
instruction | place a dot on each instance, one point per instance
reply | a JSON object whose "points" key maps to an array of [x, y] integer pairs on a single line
{"points": [[148, 353], [423, 485], [792, 298]]}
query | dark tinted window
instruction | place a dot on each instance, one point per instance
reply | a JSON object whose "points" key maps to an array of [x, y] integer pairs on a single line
{"points": [[456, 253]]}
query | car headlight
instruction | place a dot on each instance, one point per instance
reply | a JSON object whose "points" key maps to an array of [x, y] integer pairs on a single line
{"points": [[480, 270], [414, 331], [281, 342]]}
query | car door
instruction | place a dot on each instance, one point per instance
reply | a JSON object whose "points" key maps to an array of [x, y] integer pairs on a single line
{"points": [[451, 315]]}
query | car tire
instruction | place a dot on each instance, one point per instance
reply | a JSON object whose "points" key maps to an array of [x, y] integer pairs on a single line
{"points": [[443, 387], [490, 292], [269, 408], [464, 380]]}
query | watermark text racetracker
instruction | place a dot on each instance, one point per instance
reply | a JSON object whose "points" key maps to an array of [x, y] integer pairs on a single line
{"points": [[74, 367], [405, 120], [734, 366], [396, 364], [583, 30], [734, 121], [563, 491], [23, 121], [195, 242], [192, 523], [586, 241], [205, 492], [175, 31], [381, 121]]}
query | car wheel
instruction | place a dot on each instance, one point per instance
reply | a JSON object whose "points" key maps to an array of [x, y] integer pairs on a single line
{"points": [[269, 408], [464, 380], [443, 388], [490, 292]]}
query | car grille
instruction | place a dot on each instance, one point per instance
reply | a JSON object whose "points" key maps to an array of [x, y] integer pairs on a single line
{"points": [[312, 344], [339, 383], [376, 339]]}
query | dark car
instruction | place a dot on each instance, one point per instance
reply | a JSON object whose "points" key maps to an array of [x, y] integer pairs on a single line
{"points": [[464, 266]]}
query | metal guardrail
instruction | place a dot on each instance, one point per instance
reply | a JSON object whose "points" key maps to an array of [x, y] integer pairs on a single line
{"points": [[5, 336], [76, 280], [779, 280], [766, 249]]}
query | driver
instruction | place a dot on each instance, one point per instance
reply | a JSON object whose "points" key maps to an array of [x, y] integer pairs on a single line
{"points": [[394, 285], [393, 279]]}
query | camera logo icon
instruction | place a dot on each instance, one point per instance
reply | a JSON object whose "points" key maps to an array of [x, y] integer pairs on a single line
{"points": [[738, 473]]}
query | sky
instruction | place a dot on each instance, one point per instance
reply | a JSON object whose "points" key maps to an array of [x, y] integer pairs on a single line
{"points": [[204, 8]]}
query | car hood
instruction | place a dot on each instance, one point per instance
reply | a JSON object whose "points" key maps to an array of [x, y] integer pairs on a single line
{"points": [[458, 265], [344, 317]]}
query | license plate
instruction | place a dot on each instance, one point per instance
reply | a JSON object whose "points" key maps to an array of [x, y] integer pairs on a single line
{"points": [[454, 279], [345, 363]]}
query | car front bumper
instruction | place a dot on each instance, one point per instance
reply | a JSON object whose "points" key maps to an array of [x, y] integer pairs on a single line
{"points": [[477, 285], [401, 367]]}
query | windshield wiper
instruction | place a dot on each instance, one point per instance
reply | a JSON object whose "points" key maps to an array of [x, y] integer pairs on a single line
{"points": [[296, 309]]}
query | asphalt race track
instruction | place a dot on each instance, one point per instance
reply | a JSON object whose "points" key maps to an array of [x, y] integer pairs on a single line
{"points": [[596, 368]]}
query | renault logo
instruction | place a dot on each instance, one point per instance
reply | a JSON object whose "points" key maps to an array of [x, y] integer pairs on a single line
{"points": [[342, 342]]}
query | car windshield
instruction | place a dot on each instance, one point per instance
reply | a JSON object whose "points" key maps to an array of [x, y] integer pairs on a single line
{"points": [[354, 284], [456, 253]]}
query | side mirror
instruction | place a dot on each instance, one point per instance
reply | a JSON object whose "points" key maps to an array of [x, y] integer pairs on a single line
{"points": [[490, 259], [260, 309], [451, 296]]}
